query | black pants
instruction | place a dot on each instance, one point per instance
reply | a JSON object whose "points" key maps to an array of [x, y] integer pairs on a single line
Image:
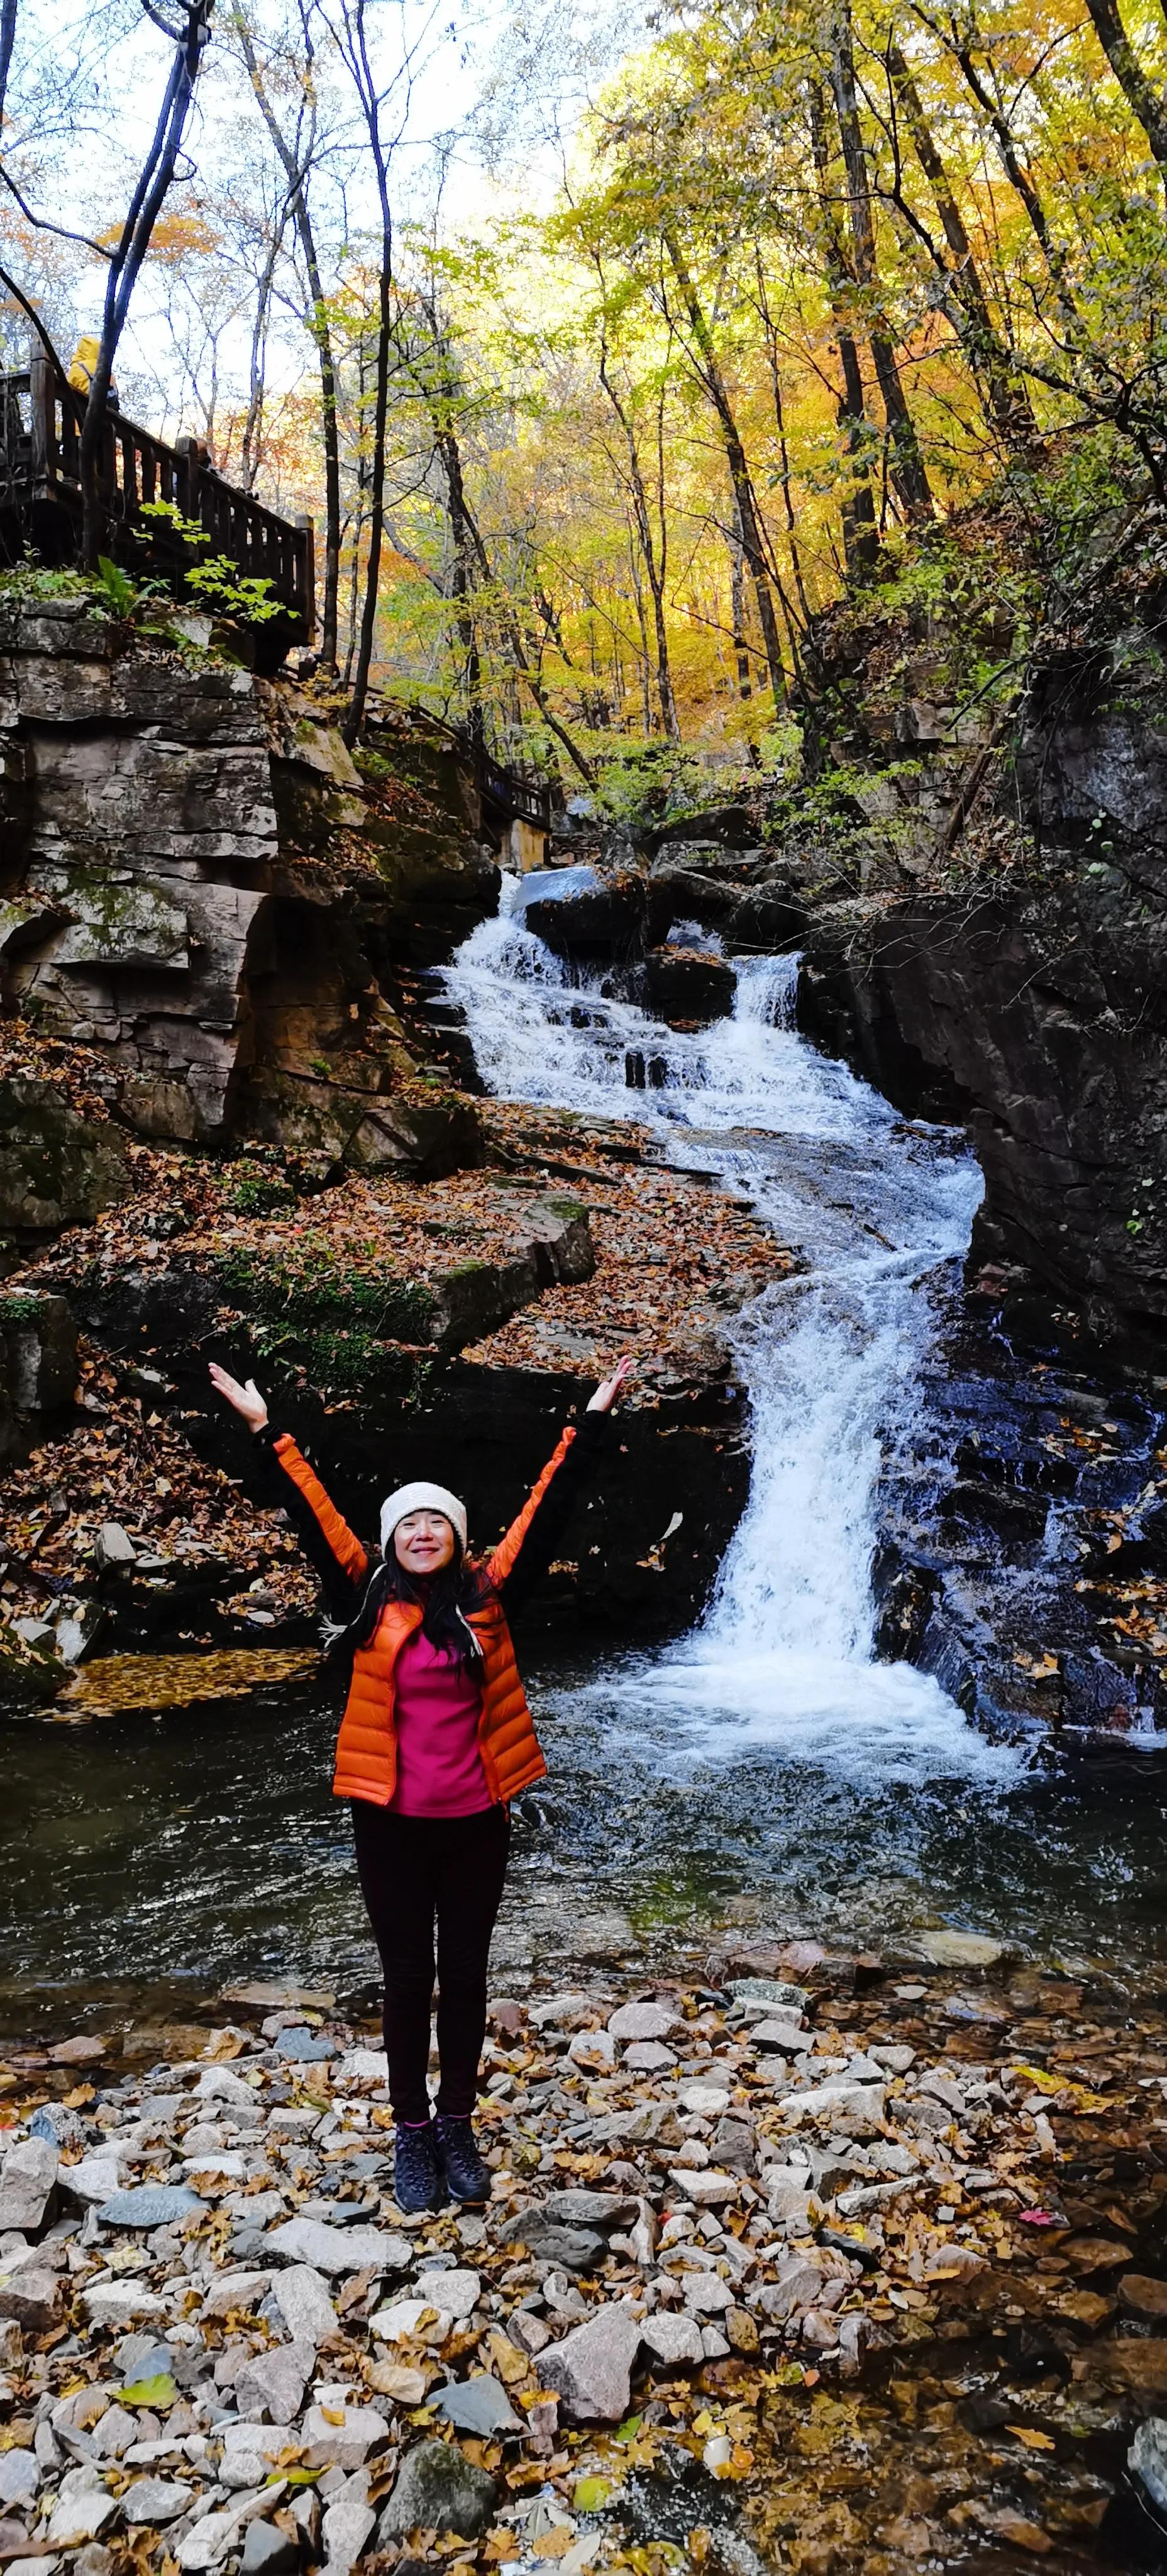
{"points": [[411, 1869]]}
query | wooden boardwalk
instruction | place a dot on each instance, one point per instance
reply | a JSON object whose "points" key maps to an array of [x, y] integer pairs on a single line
{"points": [[40, 501]]}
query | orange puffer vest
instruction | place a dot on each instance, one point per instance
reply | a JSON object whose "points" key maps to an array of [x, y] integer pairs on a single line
{"points": [[366, 1752]]}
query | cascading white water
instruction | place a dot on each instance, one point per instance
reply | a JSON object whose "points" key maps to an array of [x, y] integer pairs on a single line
{"points": [[831, 1358]]}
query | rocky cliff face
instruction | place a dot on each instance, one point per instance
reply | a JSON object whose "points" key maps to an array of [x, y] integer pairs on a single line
{"points": [[197, 883], [1036, 1007]]}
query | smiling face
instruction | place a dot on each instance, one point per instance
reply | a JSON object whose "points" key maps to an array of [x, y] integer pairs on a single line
{"points": [[423, 1542]]}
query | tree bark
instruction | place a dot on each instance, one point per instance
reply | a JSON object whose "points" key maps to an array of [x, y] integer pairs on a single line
{"points": [[860, 533], [1141, 98], [909, 473], [295, 168], [357, 55], [655, 555], [739, 472], [1003, 395], [153, 183]]}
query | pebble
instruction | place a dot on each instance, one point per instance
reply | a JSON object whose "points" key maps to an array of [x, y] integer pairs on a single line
{"points": [[478, 2405], [149, 2204], [643, 2022], [28, 2182], [591, 2369], [156, 2500]]}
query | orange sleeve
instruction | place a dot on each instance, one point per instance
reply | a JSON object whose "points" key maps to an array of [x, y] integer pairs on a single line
{"points": [[345, 1545], [505, 1553]]}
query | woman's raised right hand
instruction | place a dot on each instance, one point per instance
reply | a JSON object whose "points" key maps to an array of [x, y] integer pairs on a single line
{"points": [[247, 1400]]}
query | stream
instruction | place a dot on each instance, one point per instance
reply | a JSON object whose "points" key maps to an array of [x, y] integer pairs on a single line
{"points": [[767, 1769]]}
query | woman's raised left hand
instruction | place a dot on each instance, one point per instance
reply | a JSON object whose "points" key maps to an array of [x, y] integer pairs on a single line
{"points": [[612, 1388]]}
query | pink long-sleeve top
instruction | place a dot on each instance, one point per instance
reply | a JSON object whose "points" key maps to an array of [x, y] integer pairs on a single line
{"points": [[437, 1708]]}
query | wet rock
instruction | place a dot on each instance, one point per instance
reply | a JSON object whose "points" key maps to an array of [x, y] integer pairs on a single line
{"points": [[591, 2368], [28, 2182], [149, 2205], [476, 2406], [689, 984], [1143, 2296], [438, 2489], [339, 2249], [961, 1949], [56, 1169], [1147, 2457]]}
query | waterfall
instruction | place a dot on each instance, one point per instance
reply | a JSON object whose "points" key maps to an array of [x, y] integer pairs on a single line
{"points": [[880, 1212]]}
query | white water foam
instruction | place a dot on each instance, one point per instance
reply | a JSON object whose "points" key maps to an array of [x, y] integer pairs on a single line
{"points": [[880, 1212]]}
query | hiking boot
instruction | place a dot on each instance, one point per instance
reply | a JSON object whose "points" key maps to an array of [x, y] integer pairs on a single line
{"points": [[417, 2180], [467, 2177]]}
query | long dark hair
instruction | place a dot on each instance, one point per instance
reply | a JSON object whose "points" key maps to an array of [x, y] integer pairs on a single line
{"points": [[446, 1599]]}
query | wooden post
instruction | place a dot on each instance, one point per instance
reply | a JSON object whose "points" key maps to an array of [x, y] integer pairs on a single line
{"points": [[307, 571], [43, 399], [187, 452]]}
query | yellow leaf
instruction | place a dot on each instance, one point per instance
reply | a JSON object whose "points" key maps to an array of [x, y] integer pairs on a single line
{"points": [[1033, 2440]]}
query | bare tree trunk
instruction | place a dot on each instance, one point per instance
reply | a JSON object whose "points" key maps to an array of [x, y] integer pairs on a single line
{"points": [[1141, 98], [908, 470], [250, 450], [1004, 396], [154, 180], [7, 40], [737, 608], [860, 534], [739, 472], [780, 424], [295, 167], [360, 66], [654, 553], [1020, 180]]}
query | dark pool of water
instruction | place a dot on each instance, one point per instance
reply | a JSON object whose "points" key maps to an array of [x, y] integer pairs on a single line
{"points": [[141, 1856]]}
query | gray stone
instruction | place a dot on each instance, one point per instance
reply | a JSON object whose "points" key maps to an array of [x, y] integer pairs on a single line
{"points": [[268, 2551], [19, 2477], [28, 2181], [1147, 2456], [476, 2406], [649, 2057], [579, 2208], [456, 2291], [573, 2249], [93, 2178], [149, 2204], [338, 2249], [83, 2508], [348, 2524], [672, 2338], [346, 2444], [591, 2368], [437, 2489], [156, 2500], [643, 2022], [273, 2383], [769, 1990], [115, 2432], [56, 1168], [112, 1547], [304, 2305], [306, 2047], [30, 2296]]}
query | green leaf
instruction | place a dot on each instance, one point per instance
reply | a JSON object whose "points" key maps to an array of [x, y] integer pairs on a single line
{"points": [[628, 2430], [160, 2391], [591, 2494], [293, 2477]]}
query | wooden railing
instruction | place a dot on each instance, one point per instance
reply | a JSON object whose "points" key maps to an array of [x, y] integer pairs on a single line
{"points": [[512, 795], [40, 470]]}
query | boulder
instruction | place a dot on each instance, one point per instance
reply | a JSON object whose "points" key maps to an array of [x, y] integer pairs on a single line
{"points": [[438, 2489], [689, 984], [56, 1168], [591, 2368], [1147, 2457], [600, 920]]}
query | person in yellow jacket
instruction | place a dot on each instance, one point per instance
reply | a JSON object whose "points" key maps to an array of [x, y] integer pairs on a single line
{"points": [[435, 1740], [83, 366]]}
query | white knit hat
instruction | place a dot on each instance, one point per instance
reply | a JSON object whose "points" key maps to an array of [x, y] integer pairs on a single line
{"points": [[421, 1498]]}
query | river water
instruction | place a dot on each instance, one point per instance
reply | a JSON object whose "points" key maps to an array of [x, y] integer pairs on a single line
{"points": [[765, 1769]]}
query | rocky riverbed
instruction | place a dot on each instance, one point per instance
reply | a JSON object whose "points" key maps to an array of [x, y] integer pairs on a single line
{"points": [[791, 2260]]}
